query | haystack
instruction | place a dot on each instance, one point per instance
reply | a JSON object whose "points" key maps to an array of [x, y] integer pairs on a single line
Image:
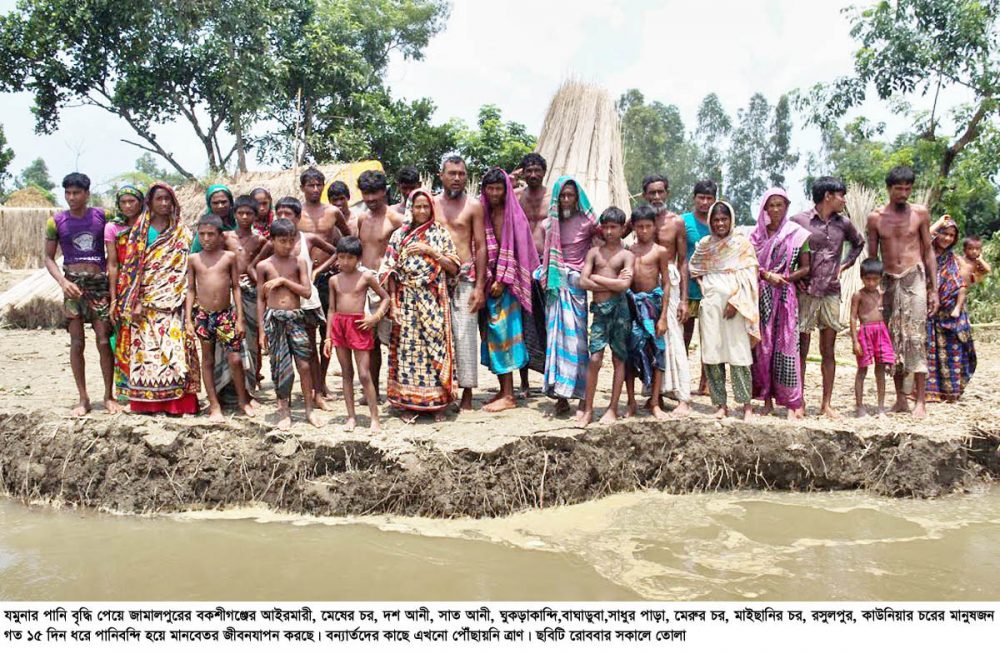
{"points": [[280, 183], [28, 197], [22, 233], [861, 201], [581, 137]]}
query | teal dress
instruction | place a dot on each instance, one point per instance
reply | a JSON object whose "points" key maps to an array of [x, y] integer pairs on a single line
{"points": [[696, 230]]}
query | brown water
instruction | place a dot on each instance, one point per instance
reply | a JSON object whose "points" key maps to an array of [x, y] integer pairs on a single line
{"points": [[741, 546]]}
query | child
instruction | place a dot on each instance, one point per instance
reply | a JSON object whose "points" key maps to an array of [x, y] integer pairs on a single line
{"points": [[650, 285], [283, 282], [972, 256], [79, 233], [349, 329], [870, 335], [607, 272], [212, 291], [251, 241]]}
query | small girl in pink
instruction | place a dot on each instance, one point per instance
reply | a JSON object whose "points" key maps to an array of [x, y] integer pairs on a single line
{"points": [[870, 335]]}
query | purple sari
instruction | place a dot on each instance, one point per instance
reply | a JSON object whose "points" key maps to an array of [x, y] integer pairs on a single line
{"points": [[776, 370]]}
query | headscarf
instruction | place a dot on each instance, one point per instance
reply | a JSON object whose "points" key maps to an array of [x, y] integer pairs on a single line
{"points": [[120, 218], [409, 232], [163, 285], [512, 256], [731, 254], [212, 190], [553, 274], [788, 234], [947, 222]]}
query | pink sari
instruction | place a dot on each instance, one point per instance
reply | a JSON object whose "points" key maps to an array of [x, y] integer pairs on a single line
{"points": [[776, 367]]}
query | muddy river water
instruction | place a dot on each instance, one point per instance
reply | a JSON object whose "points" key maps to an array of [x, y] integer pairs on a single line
{"points": [[734, 546]]}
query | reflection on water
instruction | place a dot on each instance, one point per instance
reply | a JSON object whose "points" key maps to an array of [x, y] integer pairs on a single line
{"points": [[740, 546]]}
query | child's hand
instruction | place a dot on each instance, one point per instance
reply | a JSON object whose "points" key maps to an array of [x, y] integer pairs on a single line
{"points": [[368, 322], [273, 284], [262, 344], [327, 347], [189, 328], [955, 313], [857, 349], [241, 329], [730, 312], [661, 326]]}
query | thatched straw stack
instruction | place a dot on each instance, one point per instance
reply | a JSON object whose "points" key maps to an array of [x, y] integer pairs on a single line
{"points": [[28, 197], [279, 183], [861, 201], [581, 137], [22, 234]]}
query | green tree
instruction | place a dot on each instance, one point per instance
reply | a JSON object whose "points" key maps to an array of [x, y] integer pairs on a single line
{"points": [[745, 163], [711, 138], [654, 141], [779, 156], [921, 47], [36, 174], [493, 142], [6, 157]]}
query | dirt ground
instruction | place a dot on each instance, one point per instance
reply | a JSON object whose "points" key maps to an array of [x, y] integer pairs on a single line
{"points": [[474, 463]]}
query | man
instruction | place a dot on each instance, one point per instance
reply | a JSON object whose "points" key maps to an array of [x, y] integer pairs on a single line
{"points": [[900, 232], [534, 200], [375, 226], [670, 234], [819, 294], [79, 233], [463, 217], [327, 222], [696, 228], [407, 181], [570, 231], [511, 260]]}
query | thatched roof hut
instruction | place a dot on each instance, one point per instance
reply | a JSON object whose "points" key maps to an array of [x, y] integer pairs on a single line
{"points": [[582, 137]]}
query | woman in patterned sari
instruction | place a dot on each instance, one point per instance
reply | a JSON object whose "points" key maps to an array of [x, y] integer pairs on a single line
{"points": [[129, 205], [951, 355], [162, 360], [418, 261], [782, 251]]}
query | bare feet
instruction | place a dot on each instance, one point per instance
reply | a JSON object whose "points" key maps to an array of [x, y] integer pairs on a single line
{"points": [[747, 413], [284, 418], [314, 420], [919, 410], [882, 414], [439, 416], [631, 409], [768, 408], [350, 424], [609, 417], [500, 404], [248, 410], [409, 417], [375, 428], [660, 414], [215, 414], [681, 409], [584, 418], [254, 403], [81, 409], [562, 406], [319, 402], [861, 412], [829, 412], [466, 404], [723, 412], [111, 406], [793, 415], [901, 405]]}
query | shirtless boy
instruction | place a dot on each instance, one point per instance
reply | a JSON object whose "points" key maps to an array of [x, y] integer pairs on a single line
{"points": [[283, 282], [607, 273], [900, 231], [672, 235], [251, 240], [350, 330], [650, 284], [213, 312], [463, 217], [870, 335]]}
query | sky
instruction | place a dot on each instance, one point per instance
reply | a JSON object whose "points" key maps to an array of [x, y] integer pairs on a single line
{"points": [[515, 54]]}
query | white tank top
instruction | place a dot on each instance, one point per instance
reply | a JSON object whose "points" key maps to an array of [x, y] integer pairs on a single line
{"points": [[313, 301]]}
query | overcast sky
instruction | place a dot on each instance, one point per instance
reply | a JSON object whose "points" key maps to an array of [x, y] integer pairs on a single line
{"points": [[515, 53]]}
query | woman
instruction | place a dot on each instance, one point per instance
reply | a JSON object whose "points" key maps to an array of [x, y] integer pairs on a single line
{"points": [[419, 259], [220, 202], [163, 372], [129, 206], [570, 230], [951, 355], [783, 254], [725, 265]]}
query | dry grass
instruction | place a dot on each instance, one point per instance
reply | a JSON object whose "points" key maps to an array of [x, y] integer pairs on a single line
{"points": [[581, 137], [36, 313], [22, 234]]}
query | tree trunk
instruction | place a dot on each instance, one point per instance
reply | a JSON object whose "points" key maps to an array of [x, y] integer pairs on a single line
{"points": [[948, 160], [241, 147]]}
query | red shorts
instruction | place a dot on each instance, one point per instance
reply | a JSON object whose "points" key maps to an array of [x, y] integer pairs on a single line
{"points": [[345, 333], [876, 346]]}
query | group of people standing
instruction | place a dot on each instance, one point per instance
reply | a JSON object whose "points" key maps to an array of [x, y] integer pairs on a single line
{"points": [[448, 282]]}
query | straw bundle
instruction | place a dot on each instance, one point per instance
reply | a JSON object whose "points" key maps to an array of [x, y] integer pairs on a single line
{"points": [[861, 201], [22, 234], [581, 137], [28, 196]]}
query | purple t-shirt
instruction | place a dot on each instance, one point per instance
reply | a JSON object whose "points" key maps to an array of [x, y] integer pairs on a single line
{"points": [[80, 239], [576, 235]]}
